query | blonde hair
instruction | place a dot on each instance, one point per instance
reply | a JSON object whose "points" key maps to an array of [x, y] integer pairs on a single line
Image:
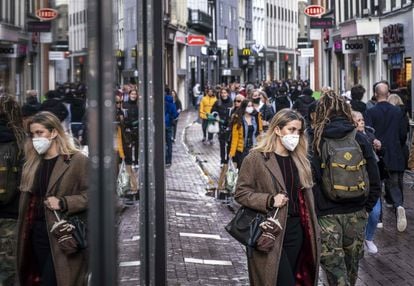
{"points": [[269, 143], [395, 99], [64, 144]]}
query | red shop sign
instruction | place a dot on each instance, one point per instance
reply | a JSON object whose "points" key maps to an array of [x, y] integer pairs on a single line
{"points": [[46, 14], [314, 10]]}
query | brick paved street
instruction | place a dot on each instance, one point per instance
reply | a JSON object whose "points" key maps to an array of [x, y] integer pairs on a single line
{"points": [[200, 252]]}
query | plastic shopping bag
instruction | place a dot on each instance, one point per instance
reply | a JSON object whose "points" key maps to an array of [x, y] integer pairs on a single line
{"points": [[123, 181], [231, 177]]}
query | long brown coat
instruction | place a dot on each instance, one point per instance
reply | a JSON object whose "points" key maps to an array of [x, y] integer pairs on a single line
{"points": [[70, 269], [254, 187]]}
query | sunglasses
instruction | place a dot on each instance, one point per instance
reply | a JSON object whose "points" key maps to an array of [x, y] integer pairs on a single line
{"points": [[237, 101], [118, 102]]}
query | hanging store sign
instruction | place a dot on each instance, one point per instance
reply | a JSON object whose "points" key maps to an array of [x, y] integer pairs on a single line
{"points": [[35, 26], [46, 14], [353, 47], [314, 10], [393, 37], [321, 23], [56, 56], [307, 53], [13, 51], [196, 40]]}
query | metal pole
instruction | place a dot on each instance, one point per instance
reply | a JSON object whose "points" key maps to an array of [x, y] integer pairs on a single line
{"points": [[152, 141], [103, 238]]}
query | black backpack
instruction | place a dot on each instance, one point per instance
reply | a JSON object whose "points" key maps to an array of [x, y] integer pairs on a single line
{"points": [[344, 174], [10, 170]]}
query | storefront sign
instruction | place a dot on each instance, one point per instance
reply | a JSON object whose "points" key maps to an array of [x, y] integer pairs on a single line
{"points": [[393, 34], [246, 52], [35, 26], [353, 47], [314, 10], [46, 14], [337, 46], [257, 48], [56, 56], [223, 44], [196, 40], [315, 34], [307, 53], [46, 38], [321, 23], [12, 51]]}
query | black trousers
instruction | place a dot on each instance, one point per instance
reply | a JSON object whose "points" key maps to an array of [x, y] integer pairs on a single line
{"points": [[292, 245], [43, 254]]}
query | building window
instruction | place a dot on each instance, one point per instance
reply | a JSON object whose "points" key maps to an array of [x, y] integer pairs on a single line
{"points": [[274, 12], [267, 9], [393, 4]]}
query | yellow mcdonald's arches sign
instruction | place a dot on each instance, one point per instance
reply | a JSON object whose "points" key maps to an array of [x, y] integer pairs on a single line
{"points": [[246, 52]]}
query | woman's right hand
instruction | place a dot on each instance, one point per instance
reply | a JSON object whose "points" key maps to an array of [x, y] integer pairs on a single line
{"points": [[280, 200]]}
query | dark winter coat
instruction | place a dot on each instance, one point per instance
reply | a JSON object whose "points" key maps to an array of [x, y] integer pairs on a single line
{"points": [[358, 105], [131, 118], [267, 112], [31, 107], [223, 108], [390, 126], [11, 209], [302, 104], [254, 188], [55, 106], [70, 269], [338, 128]]}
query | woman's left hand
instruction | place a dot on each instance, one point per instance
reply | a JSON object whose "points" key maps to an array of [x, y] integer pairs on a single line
{"points": [[52, 203]]}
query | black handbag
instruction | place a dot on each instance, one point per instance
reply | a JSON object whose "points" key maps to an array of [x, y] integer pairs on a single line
{"points": [[245, 226]]}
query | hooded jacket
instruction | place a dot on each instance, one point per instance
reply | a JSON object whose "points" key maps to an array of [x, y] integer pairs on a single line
{"points": [[338, 128], [170, 111]]}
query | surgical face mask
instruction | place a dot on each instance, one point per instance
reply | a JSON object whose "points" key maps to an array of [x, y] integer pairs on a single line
{"points": [[249, 109], [41, 144], [290, 141]]}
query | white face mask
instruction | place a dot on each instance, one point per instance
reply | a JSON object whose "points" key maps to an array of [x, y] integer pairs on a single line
{"points": [[290, 141], [249, 109], [41, 144]]}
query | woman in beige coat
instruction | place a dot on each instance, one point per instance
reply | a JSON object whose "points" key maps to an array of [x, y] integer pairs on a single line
{"points": [[54, 178], [277, 173]]}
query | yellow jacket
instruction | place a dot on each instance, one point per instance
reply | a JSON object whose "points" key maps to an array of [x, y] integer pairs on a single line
{"points": [[206, 105], [237, 136]]}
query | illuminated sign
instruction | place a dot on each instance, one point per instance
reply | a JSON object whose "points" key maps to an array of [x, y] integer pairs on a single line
{"points": [[46, 14], [314, 10]]}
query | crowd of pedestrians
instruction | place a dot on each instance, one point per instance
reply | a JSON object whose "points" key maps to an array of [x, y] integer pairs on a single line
{"points": [[266, 127], [282, 140]]}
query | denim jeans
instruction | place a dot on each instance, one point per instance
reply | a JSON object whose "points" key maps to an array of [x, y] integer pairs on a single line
{"points": [[168, 144], [373, 219]]}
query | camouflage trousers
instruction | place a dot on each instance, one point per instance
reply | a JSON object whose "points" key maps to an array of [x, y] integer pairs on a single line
{"points": [[342, 238], [7, 251]]}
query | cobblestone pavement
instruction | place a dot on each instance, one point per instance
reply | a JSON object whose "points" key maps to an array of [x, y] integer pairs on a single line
{"points": [[200, 252]]}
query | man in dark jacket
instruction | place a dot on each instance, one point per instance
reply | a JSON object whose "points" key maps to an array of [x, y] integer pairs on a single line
{"points": [[32, 105], [388, 122], [342, 224], [54, 104], [223, 107], [303, 102], [357, 92], [170, 113]]}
